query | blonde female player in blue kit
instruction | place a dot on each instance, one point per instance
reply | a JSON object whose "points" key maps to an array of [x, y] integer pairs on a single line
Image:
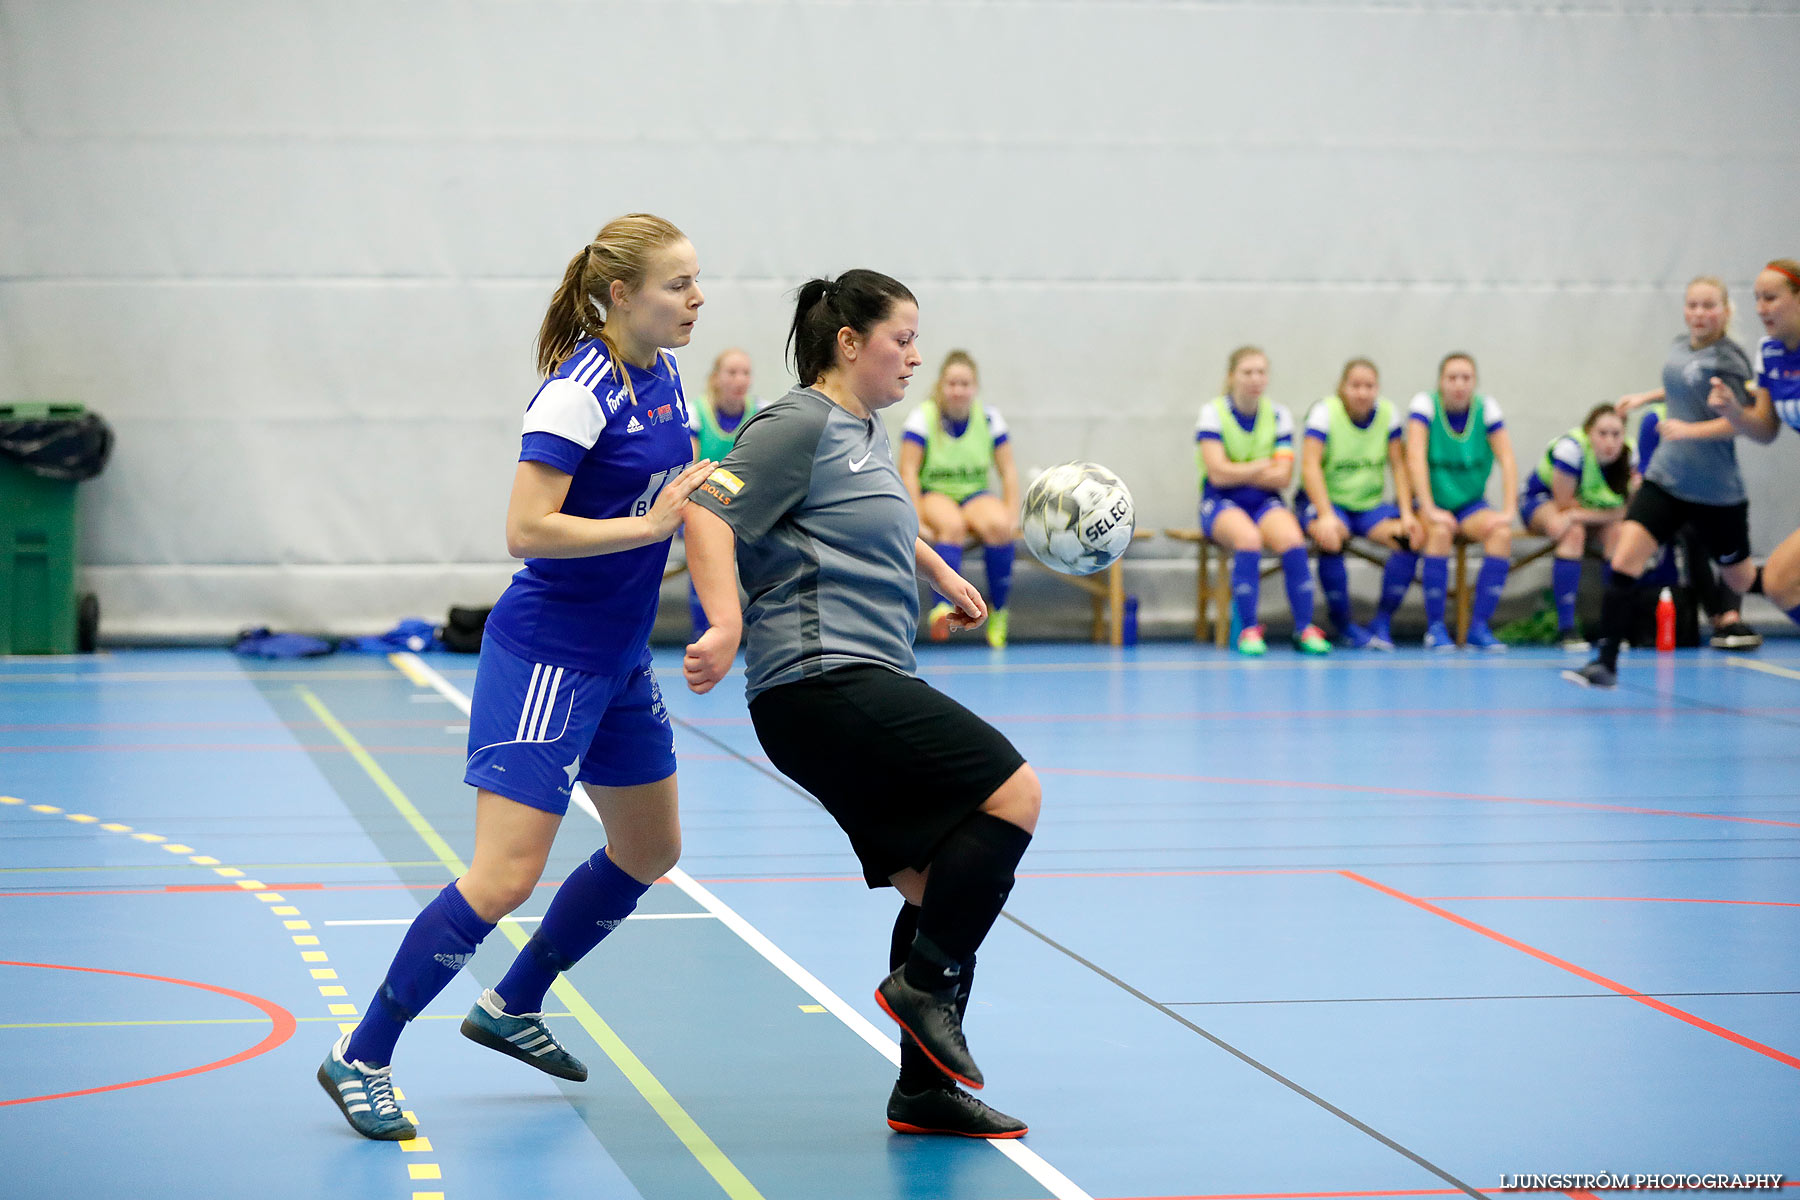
{"points": [[564, 693]]}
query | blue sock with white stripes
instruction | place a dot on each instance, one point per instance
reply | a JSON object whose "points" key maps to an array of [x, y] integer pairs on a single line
{"points": [[1435, 579], [592, 901], [1246, 582], [1565, 581], [440, 942], [1299, 586], [1396, 577], [999, 574], [1489, 583], [952, 556], [1334, 581]]}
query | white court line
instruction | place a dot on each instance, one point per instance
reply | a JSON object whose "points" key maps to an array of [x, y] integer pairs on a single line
{"points": [[699, 916], [1750, 664], [1023, 1157]]}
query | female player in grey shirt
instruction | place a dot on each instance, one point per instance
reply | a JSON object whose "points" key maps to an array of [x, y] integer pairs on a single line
{"points": [[936, 802], [1693, 479]]}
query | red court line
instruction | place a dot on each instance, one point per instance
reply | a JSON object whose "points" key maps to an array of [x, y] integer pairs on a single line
{"points": [[1579, 972], [281, 1020], [1310, 785], [1631, 900], [1336, 1195]]}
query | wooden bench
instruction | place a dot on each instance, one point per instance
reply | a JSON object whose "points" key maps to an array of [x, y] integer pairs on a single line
{"points": [[1105, 589], [1212, 599]]}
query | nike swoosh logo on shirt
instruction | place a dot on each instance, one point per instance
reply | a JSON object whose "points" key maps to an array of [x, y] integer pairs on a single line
{"points": [[857, 464]]}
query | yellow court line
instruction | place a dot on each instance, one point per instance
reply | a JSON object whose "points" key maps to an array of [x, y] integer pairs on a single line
{"points": [[1750, 664], [724, 1172]]}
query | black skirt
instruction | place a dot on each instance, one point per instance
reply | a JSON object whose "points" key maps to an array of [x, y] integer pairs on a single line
{"points": [[896, 762]]}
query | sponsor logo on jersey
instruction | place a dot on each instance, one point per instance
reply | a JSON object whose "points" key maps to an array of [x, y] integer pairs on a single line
{"points": [[634, 426], [661, 413], [726, 479], [712, 489]]}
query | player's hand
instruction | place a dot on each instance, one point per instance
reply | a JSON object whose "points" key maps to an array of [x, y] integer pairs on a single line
{"points": [[1722, 399], [709, 659], [1414, 531], [1674, 429], [666, 513], [1631, 400], [971, 611]]}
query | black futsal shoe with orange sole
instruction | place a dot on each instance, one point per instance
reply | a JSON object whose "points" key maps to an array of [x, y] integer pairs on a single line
{"points": [[934, 1022], [949, 1110]]}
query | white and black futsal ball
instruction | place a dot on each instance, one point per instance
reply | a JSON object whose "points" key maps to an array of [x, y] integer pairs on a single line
{"points": [[1078, 518]]}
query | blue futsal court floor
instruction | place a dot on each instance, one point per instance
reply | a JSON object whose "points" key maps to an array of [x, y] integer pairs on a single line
{"points": [[1372, 926]]}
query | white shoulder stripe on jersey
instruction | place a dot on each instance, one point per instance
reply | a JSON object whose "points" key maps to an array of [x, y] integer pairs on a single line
{"points": [[592, 373], [567, 409]]}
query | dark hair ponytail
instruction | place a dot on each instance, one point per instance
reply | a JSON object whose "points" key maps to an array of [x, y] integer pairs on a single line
{"points": [[858, 300]]}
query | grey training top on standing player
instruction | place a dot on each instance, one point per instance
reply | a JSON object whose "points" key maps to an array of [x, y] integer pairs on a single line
{"points": [[1700, 472], [825, 531]]}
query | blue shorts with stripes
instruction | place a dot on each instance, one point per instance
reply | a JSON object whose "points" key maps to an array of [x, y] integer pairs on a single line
{"points": [[536, 730]]}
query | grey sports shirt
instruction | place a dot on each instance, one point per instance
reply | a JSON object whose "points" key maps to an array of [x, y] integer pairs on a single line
{"points": [[1700, 472], [825, 531]]}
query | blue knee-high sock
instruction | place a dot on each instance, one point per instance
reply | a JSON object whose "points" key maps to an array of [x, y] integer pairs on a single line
{"points": [[1489, 583], [1299, 586], [697, 611], [1246, 581], [952, 556], [1794, 614], [999, 574], [1334, 581], [592, 901], [1435, 579], [440, 943], [1565, 581], [1396, 577]]}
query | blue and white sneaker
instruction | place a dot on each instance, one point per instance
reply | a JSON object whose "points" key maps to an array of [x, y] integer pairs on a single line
{"points": [[524, 1036], [365, 1095], [1438, 638], [1482, 638], [1380, 636]]}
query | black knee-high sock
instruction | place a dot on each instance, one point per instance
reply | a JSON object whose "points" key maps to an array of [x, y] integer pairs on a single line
{"points": [[1615, 616], [916, 1071], [971, 877]]}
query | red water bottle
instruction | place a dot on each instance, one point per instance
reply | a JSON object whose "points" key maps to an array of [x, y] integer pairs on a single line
{"points": [[1665, 621]]}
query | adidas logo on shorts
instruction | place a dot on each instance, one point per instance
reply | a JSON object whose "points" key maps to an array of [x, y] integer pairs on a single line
{"points": [[455, 962]]}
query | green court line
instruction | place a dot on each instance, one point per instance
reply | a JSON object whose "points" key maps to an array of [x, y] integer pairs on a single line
{"points": [[724, 1172]]}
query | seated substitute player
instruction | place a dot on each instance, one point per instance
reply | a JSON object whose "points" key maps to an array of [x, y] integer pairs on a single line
{"points": [[1454, 437], [564, 693], [1575, 496], [1244, 445], [1352, 447], [948, 448]]}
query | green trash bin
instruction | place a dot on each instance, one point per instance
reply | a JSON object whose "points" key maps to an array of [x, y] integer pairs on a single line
{"points": [[39, 610]]}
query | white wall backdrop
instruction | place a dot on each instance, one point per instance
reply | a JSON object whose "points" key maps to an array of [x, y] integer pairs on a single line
{"points": [[297, 252]]}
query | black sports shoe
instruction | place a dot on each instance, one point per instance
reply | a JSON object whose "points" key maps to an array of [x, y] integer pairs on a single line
{"points": [[949, 1110], [1735, 636], [1595, 675], [932, 1019]]}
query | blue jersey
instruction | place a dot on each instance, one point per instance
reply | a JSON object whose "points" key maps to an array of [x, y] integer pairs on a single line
{"points": [[594, 614], [1778, 370]]}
